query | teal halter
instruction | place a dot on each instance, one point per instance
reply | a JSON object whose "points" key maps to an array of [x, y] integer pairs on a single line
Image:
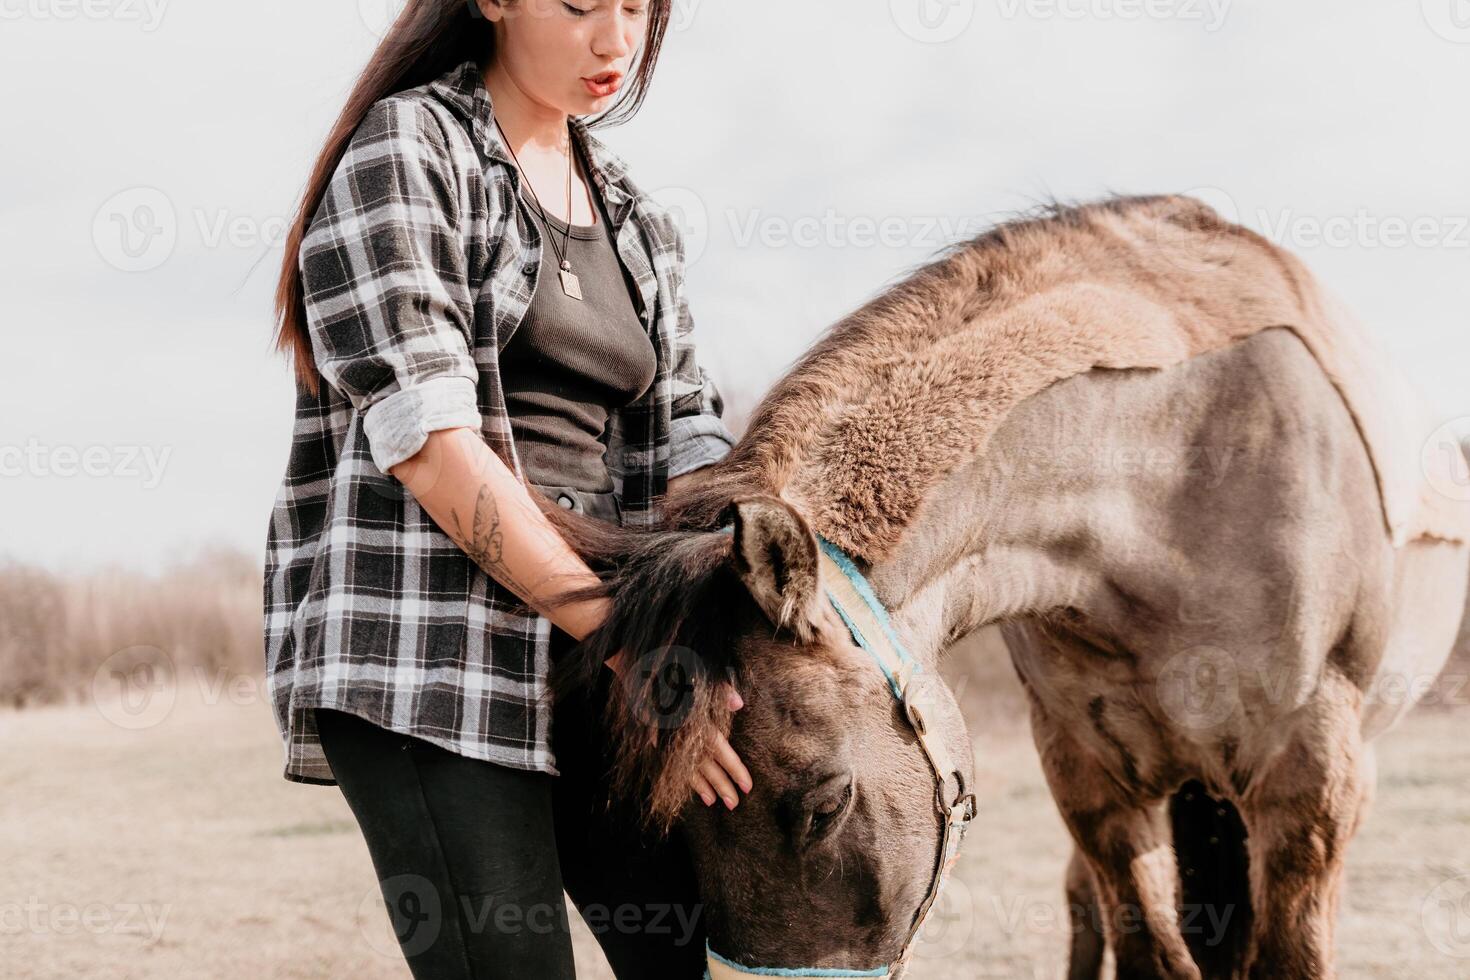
{"points": [[867, 620], [776, 971]]}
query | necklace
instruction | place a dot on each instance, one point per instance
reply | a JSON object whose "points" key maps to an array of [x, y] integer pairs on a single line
{"points": [[569, 282]]}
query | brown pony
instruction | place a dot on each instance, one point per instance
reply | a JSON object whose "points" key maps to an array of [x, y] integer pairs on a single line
{"points": [[1204, 636]]}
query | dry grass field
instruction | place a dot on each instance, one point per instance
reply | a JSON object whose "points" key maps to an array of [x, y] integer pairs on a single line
{"points": [[164, 843]]}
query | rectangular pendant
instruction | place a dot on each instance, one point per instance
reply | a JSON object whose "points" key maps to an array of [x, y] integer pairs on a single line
{"points": [[569, 283]]}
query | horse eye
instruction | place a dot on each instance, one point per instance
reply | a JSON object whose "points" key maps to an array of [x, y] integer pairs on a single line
{"points": [[828, 809], [832, 806]]}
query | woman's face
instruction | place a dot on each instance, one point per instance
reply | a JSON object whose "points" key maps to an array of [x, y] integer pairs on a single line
{"points": [[569, 55]]}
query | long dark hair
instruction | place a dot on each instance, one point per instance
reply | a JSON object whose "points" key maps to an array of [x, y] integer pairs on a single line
{"points": [[428, 38]]}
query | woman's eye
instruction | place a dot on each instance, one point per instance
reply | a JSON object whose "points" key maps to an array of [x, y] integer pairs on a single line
{"points": [[575, 11]]}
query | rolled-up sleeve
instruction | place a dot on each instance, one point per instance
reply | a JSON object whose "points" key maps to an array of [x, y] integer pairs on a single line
{"points": [[698, 435], [385, 283]]}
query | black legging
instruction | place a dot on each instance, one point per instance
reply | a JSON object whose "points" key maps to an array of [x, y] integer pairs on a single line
{"points": [[472, 857]]}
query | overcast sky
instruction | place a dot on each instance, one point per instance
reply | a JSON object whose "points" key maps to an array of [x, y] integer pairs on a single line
{"points": [[818, 150]]}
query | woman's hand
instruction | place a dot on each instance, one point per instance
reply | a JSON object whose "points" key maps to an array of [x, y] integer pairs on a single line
{"points": [[722, 771]]}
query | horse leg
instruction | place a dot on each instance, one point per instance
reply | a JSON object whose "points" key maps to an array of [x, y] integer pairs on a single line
{"points": [[1301, 812], [1368, 779], [1214, 880], [1088, 943], [1126, 845]]}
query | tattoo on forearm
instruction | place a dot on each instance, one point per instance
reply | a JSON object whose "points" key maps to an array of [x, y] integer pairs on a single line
{"points": [[484, 542]]}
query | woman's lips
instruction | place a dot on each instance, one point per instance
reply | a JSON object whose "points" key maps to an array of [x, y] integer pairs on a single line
{"points": [[605, 84]]}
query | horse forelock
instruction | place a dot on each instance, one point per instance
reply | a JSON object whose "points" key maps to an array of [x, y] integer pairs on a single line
{"points": [[674, 603]]}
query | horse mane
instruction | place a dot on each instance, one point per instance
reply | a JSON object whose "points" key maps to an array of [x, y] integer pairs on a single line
{"points": [[815, 440], [951, 348]]}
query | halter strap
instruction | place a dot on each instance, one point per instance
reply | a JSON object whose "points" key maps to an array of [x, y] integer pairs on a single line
{"points": [[853, 598], [719, 968]]}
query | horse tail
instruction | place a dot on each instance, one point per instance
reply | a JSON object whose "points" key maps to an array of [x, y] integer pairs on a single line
{"points": [[1214, 879]]}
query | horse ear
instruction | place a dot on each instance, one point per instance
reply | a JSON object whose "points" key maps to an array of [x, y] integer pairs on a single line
{"points": [[775, 555]]}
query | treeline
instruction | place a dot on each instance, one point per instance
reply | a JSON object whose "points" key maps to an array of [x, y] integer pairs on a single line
{"points": [[57, 632]]}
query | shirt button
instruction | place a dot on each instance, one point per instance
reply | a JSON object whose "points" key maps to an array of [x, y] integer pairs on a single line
{"points": [[529, 269], [565, 501]]}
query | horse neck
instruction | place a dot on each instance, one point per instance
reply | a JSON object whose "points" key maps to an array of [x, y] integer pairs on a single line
{"points": [[988, 545]]}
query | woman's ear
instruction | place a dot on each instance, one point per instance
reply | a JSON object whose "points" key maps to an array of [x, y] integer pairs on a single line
{"points": [[491, 10], [775, 554]]}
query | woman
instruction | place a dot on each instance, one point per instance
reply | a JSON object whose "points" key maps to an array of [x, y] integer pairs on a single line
{"points": [[481, 305]]}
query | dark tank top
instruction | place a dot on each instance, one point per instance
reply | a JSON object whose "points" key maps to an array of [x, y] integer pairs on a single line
{"points": [[570, 362]]}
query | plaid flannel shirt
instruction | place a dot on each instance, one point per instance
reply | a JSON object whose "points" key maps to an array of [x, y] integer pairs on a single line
{"points": [[417, 268]]}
